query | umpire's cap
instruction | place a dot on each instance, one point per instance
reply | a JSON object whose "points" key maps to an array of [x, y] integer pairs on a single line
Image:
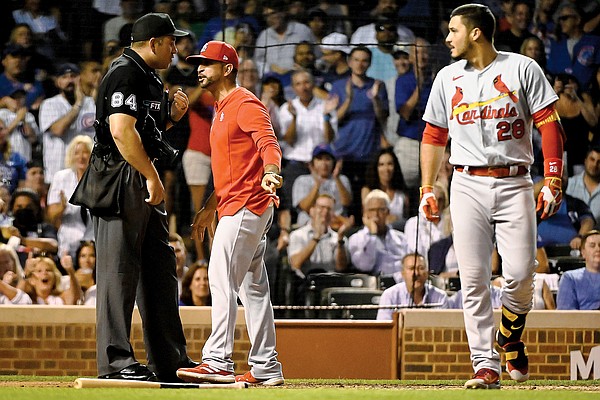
{"points": [[216, 51], [153, 25]]}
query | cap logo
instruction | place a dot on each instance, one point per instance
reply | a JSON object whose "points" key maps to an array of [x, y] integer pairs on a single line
{"points": [[225, 57], [204, 48]]}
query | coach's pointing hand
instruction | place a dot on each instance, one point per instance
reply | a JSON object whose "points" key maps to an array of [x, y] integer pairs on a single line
{"points": [[429, 205], [271, 181]]}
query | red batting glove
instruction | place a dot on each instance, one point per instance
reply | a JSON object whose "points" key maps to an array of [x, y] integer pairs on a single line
{"points": [[550, 197], [428, 205]]}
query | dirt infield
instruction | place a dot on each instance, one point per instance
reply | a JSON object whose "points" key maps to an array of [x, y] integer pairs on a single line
{"points": [[592, 387]]}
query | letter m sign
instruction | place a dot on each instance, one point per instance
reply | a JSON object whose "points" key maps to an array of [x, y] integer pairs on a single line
{"points": [[580, 367]]}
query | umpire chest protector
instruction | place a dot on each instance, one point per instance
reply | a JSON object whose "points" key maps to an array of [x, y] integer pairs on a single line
{"points": [[134, 89]]}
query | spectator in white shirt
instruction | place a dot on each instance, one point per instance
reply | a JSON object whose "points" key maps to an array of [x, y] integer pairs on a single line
{"points": [[305, 123], [377, 248], [283, 34]]}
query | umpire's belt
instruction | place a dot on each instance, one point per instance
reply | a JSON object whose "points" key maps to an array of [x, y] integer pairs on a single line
{"points": [[495, 172]]}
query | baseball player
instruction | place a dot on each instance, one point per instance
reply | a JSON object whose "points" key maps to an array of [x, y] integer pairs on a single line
{"points": [[245, 161], [487, 102]]}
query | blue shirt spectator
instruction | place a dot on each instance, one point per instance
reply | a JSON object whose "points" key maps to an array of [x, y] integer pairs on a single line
{"points": [[563, 226], [14, 61], [214, 27], [406, 85], [12, 170], [579, 289], [414, 290], [358, 133], [586, 185], [577, 53]]}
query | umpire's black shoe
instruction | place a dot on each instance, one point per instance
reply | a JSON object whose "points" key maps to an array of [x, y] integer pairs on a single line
{"points": [[135, 372]]}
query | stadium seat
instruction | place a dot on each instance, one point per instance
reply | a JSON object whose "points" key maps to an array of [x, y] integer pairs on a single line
{"points": [[560, 265], [386, 282], [557, 250], [453, 284], [317, 282], [350, 296], [320, 281]]}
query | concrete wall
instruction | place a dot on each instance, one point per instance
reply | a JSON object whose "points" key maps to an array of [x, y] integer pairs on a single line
{"points": [[420, 344]]}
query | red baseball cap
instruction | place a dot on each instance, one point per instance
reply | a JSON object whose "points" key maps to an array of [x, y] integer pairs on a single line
{"points": [[216, 51]]}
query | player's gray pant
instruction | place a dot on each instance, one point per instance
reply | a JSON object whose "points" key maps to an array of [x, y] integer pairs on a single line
{"points": [[236, 267], [482, 209]]}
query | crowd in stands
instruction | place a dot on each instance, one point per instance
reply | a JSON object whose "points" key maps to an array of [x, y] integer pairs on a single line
{"points": [[345, 90]]}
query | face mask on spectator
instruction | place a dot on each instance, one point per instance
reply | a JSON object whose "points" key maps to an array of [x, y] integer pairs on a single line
{"points": [[25, 218]]}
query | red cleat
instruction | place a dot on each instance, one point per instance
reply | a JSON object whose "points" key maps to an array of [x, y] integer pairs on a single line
{"points": [[205, 373], [517, 361], [485, 378], [250, 379]]}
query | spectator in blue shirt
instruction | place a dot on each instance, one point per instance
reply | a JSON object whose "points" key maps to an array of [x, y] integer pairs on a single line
{"points": [[414, 290], [411, 93], [579, 289], [226, 24], [13, 166], [576, 53], [362, 115], [14, 62]]}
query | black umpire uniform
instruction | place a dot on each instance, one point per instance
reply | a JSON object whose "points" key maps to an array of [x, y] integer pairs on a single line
{"points": [[134, 259]]}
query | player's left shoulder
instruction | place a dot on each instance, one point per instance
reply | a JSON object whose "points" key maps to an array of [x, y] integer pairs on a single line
{"points": [[517, 66], [514, 59]]}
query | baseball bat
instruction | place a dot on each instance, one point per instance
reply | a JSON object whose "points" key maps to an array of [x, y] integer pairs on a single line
{"points": [[86, 383]]}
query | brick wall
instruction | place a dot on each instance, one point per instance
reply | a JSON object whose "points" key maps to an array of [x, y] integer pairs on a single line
{"points": [[44, 340], [434, 345]]}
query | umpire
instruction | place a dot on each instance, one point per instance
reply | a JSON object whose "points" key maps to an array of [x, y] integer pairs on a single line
{"points": [[134, 260]]}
